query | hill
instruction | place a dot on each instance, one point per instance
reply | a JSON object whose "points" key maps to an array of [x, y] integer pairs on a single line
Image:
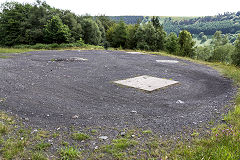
{"points": [[228, 22]]}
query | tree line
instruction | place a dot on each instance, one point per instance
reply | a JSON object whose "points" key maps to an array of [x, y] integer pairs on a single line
{"points": [[24, 23], [39, 23]]}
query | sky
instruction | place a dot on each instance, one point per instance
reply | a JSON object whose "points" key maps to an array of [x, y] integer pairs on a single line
{"points": [[145, 8]]}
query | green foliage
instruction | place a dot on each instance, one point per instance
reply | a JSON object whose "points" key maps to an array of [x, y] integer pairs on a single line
{"points": [[223, 53], [172, 44], [80, 136], [203, 53], [56, 32], [70, 20], [106, 21], [204, 39], [117, 35], [186, 44], [155, 22], [150, 38], [91, 32], [236, 55], [42, 146], [131, 41], [118, 147], [70, 153]]}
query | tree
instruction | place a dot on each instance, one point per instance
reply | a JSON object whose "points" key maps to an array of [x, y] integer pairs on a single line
{"points": [[236, 55], [56, 32], [131, 42], [70, 20], [106, 21], [150, 38], [217, 38], [172, 44], [146, 37], [186, 44], [156, 23], [117, 35], [13, 23], [102, 31], [223, 53], [91, 32]]}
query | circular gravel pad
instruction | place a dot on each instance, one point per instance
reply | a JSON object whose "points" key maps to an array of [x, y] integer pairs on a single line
{"points": [[52, 93]]}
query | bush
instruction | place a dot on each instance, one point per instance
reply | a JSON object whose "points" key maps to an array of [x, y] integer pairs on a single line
{"points": [[236, 55], [203, 53], [223, 53]]}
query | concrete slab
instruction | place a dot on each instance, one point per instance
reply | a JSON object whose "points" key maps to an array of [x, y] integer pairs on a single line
{"points": [[167, 61], [146, 83], [135, 53]]}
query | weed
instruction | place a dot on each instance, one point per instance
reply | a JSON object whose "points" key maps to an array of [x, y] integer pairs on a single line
{"points": [[3, 128], [42, 146], [80, 136], [93, 131], [38, 156], [70, 153], [147, 132]]}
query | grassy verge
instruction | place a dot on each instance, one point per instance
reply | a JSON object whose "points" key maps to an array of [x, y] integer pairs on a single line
{"points": [[8, 52], [222, 143]]}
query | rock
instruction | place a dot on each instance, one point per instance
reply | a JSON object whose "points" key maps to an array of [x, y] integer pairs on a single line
{"points": [[180, 102], [133, 111], [75, 117], [35, 130], [26, 119], [103, 137], [123, 133]]}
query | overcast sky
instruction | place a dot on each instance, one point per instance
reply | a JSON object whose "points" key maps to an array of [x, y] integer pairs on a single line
{"points": [[145, 7]]}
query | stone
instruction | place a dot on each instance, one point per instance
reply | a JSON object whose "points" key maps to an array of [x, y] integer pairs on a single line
{"points": [[135, 53], [26, 119], [133, 111], [167, 61], [75, 117], [77, 59], [103, 137], [146, 83], [123, 134], [180, 102]]}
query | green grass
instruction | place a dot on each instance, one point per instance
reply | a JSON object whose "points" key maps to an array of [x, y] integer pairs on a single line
{"points": [[70, 153], [80, 136], [15, 50], [42, 146]]}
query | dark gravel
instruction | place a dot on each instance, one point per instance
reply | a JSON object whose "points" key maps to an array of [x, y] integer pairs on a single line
{"points": [[51, 94]]}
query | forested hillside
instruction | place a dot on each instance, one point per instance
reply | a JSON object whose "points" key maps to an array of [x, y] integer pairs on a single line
{"points": [[226, 23], [128, 19]]}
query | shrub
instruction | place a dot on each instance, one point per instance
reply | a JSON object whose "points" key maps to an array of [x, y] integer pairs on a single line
{"points": [[223, 53], [203, 53], [236, 55]]}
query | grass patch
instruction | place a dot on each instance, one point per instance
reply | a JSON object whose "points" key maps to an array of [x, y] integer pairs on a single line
{"points": [[42, 146], [70, 153], [80, 136], [119, 147]]}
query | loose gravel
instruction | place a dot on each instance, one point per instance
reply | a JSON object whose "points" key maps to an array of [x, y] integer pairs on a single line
{"points": [[50, 89]]}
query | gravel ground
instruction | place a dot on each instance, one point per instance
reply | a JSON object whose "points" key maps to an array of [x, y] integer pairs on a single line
{"points": [[48, 90]]}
